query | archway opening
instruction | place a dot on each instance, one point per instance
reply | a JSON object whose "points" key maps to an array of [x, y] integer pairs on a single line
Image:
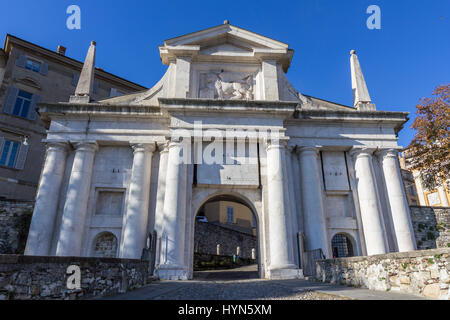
{"points": [[226, 240], [342, 246]]}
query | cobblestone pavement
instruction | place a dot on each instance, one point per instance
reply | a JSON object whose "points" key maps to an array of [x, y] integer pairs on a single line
{"points": [[229, 285]]}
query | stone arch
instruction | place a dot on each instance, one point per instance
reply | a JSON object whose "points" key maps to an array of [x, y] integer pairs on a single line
{"points": [[343, 245], [206, 196], [104, 245]]}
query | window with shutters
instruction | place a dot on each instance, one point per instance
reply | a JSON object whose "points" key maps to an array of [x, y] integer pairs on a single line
{"points": [[8, 153], [22, 105], [33, 65]]}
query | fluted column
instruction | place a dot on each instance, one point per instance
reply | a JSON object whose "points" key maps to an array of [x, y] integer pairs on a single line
{"points": [[136, 219], [312, 201], [44, 215], [172, 264], [75, 207], [292, 201], [397, 200], [159, 209], [370, 208], [281, 252]]}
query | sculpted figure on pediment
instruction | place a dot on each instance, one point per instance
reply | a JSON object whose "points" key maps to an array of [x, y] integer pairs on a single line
{"points": [[227, 85]]}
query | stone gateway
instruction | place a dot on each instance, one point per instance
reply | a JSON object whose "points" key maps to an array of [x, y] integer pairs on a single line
{"points": [[223, 122]]}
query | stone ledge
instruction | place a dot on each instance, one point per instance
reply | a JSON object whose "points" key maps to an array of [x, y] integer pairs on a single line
{"points": [[423, 273], [21, 259], [45, 278], [393, 255]]}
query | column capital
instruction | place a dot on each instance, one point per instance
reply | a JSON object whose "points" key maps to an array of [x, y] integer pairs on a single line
{"points": [[163, 147], [362, 152], [143, 147], [55, 145], [387, 153], [307, 149], [87, 146], [275, 143], [291, 148]]}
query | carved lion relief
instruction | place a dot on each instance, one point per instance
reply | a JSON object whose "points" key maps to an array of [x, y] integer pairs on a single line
{"points": [[227, 85]]}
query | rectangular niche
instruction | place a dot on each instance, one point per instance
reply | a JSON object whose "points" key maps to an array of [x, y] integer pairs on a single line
{"points": [[335, 171], [109, 203]]}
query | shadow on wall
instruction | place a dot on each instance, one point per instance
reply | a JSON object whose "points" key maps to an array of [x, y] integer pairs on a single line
{"points": [[15, 219], [204, 261], [431, 227]]}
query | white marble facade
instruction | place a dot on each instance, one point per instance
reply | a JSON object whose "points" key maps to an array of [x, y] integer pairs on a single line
{"points": [[113, 174]]}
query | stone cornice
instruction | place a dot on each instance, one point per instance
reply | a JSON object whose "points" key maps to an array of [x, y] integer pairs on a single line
{"points": [[48, 110], [398, 119], [344, 115], [283, 108]]}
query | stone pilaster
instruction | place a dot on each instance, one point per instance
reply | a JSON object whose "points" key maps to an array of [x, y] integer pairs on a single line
{"points": [[270, 80], [159, 209], [172, 265], [44, 216], [75, 207], [136, 220], [370, 208], [312, 201], [397, 201], [282, 263]]}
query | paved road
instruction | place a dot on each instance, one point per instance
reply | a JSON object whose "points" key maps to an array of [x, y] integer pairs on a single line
{"points": [[236, 285]]}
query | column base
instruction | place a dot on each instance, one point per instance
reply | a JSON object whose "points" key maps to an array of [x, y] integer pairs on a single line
{"points": [[285, 274], [171, 272]]}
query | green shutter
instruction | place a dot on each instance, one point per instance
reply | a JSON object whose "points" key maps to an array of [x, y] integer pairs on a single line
{"points": [[32, 112], [22, 157], [2, 141], [75, 78], [10, 100], [44, 69], [95, 89], [21, 61]]}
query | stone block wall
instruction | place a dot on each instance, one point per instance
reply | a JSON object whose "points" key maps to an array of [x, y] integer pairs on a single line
{"points": [[15, 219], [209, 235], [37, 278], [424, 273], [431, 226]]}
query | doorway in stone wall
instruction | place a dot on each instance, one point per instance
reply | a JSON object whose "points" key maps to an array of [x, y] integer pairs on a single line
{"points": [[225, 240]]}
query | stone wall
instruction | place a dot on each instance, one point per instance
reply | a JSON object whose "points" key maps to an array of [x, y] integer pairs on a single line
{"points": [[431, 227], [209, 235], [425, 273], [27, 277], [15, 218]]}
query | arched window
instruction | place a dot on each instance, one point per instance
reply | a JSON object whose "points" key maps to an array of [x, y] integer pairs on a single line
{"points": [[105, 245], [342, 246]]}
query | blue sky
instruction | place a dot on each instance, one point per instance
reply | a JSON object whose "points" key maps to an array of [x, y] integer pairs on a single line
{"points": [[402, 62]]}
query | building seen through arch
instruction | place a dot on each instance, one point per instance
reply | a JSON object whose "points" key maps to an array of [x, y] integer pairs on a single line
{"points": [[225, 235]]}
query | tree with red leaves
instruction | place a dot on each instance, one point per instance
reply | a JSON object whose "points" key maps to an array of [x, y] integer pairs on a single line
{"points": [[429, 151]]}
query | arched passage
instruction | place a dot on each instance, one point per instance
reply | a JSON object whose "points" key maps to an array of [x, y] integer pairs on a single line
{"points": [[105, 245], [342, 246], [226, 242]]}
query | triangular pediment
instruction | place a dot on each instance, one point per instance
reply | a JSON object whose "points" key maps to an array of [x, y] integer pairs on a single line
{"points": [[226, 43], [229, 33], [225, 49]]}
